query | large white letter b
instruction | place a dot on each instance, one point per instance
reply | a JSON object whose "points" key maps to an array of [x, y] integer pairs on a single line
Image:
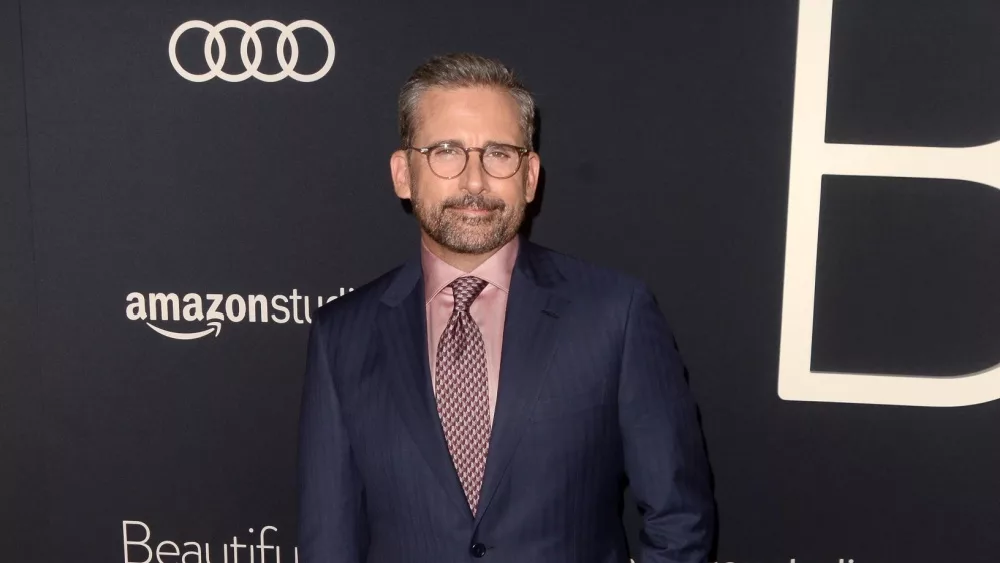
{"points": [[811, 158]]}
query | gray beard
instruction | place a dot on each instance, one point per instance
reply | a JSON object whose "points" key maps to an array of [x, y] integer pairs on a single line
{"points": [[469, 235]]}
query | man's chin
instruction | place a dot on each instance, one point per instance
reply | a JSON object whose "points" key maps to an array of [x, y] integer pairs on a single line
{"points": [[465, 234], [472, 246], [473, 243]]}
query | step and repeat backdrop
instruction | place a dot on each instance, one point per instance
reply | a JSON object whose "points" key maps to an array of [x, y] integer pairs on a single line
{"points": [[810, 188]]}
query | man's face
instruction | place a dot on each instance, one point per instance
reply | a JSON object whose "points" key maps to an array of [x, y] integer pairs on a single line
{"points": [[473, 213]]}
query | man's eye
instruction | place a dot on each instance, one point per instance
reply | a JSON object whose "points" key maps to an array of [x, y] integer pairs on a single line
{"points": [[499, 154], [446, 151]]}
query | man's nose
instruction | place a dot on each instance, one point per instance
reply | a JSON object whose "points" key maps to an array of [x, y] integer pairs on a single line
{"points": [[474, 177]]}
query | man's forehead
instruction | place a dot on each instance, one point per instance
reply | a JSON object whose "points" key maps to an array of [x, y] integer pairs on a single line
{"points": [[482, 106]]}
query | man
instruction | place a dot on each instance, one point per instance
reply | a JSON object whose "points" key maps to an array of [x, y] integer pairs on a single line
{"points": [[491, 398]]}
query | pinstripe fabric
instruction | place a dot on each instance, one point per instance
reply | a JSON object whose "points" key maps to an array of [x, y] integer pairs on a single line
{"points": [[591, 395]]}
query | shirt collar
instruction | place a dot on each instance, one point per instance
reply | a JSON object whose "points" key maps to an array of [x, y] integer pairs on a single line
{"points": [[496, 270]]}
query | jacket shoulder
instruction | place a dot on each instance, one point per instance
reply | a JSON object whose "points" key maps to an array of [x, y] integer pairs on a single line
{"points": [[357, 304], [582, 275]]}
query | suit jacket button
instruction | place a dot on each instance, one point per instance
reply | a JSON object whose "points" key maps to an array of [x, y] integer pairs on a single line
{"points": [[478, 550]]}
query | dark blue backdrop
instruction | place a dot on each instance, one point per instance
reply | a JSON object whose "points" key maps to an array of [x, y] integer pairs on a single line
{"points": [[665, 137]]}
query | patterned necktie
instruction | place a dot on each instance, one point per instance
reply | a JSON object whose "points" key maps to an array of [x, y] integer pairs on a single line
{"points": [[462, 391]]}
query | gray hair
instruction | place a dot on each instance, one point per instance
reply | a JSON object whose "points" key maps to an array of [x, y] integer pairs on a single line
{"points": [[462, 70]]}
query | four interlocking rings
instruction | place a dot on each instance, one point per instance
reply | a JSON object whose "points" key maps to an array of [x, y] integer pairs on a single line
{"points": [[250, 34]]}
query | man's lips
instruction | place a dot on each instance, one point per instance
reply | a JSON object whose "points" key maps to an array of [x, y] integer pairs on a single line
{"points": [[473, 210]]}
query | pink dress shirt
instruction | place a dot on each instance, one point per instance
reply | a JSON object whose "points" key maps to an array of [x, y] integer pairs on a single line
{"points": [[488, 310]]}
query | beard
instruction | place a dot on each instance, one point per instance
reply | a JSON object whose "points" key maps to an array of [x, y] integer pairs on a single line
{"points": [[467, 234]]}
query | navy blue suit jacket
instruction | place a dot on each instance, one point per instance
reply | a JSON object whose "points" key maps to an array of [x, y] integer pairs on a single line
{"points": [[591, 397]]}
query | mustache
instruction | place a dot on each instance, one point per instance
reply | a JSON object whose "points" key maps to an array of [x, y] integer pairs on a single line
{"points": [[469, 201]]}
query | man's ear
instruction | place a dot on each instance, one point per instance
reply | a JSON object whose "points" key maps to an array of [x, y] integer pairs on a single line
{"points": [[399, 164], [534, 166]]}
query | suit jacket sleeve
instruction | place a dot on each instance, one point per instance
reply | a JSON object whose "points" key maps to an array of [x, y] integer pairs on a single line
{"points": [[664, 455], [332, 521]]}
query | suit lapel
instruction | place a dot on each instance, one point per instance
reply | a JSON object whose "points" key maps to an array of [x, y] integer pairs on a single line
{"points": [[529, 342], [403, 330]]}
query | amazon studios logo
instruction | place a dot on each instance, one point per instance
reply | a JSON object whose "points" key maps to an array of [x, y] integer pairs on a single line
{"points": [[203, 315], [811, 158]]}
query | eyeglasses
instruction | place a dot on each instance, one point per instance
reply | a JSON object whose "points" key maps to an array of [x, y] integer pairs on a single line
{"points": [[448, 160]]}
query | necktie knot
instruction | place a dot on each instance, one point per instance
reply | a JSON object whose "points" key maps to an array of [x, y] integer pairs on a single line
{"points": [[465, 290]]}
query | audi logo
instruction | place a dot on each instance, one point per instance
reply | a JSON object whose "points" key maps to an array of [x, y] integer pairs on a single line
{"points": [[250, 34]]}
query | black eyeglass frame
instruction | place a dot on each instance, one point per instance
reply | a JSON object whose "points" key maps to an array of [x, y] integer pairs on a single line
{"points": [[426, 151]]}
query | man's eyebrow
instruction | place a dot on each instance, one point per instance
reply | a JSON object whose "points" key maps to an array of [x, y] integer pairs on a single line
{"points": [[455, 142], [492, 142], [459, 143]]}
